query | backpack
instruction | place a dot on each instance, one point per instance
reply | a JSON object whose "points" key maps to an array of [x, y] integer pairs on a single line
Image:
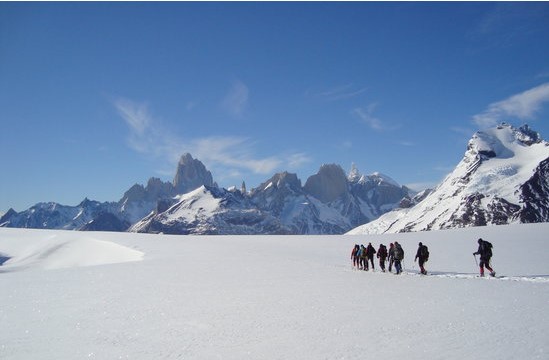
{"points": [[487, 248], [425, 252], [382, 253], [399, 252]]}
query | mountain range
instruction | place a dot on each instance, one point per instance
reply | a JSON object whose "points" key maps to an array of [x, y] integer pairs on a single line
{"points": [[330, 202], [502, 179]]}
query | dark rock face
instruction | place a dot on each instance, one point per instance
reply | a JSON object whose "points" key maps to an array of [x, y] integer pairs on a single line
{"points": [[501, 211], [328, 184], [408, 202], [274, 193], [190, 175], [534, 195], [6, 218], [106, 221]]}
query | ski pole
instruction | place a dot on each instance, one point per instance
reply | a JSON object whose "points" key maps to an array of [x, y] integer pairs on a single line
{"points": [[475, 259]]}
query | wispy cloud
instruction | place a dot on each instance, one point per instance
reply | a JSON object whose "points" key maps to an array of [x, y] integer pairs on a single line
{"points": [[495, 19], [136, 115], [506, 24], [237, 98], [225, 154], [543, 75], [523, 106], [191, 105], [406, 143], [366, 115], [232, 151], [337, 93], [146, 134], [345, 145], [297, 160]]}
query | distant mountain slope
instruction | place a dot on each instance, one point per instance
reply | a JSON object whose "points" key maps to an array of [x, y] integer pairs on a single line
{"points": [[55, 216], [502, 179], [209, 210], [135, 204]]}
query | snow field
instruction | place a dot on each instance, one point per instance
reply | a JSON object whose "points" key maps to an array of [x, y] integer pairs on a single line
{"points": [[272, 297]]}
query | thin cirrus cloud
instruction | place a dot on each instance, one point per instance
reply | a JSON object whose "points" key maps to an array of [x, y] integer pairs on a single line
{"points": [[522, 106], [237, 99], [366, 116], [146, 134], [229, 154]]}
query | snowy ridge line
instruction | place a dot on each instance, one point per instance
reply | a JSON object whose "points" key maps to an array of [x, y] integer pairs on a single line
{"points": [[455, 275]]}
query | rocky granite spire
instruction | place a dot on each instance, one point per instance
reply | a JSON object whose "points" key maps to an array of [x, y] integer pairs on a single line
{"points": [[328, 184], [191, 174]]}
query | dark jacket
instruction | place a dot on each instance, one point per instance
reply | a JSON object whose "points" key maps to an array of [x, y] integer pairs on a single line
{"points": [[391, 252], [484, 250], [370, 252], [399, 252], [422, 253], [382, 252]]}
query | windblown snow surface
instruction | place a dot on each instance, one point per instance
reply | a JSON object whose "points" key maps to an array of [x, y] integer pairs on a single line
{"points": [[82, 295]]}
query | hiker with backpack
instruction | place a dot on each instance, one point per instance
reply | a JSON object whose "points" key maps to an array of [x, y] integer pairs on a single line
{"points": [[354, 255], [370, 252], [363, 259], [423, 255], [391, 255], [485, 252], [398, 257], [382, 255]]}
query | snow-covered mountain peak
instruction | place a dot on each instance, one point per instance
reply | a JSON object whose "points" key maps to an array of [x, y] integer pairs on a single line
{"points": [[354, 175], [499, 159], [377, 178], [281, 180], [502, 141], [486, 187], [382, 179]]}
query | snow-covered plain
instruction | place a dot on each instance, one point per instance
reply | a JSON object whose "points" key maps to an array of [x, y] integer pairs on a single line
{"points": [[82, 295]]}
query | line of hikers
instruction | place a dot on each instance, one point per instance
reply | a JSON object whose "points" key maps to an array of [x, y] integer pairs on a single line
{"points": [[363, 256]]}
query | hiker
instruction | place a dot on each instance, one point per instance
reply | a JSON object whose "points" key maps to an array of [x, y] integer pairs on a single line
{"points": [[399, 256], [382, 255], [423, 255], [354, 255], [363, 258], [391, 255], [485, 252], [370, 252]]}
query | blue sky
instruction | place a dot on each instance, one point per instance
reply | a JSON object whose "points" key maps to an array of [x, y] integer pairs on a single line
{"points": [[95, 97]]}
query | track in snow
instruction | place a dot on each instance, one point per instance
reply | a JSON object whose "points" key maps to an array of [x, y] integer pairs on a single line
{"points": [[456, 275]]}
